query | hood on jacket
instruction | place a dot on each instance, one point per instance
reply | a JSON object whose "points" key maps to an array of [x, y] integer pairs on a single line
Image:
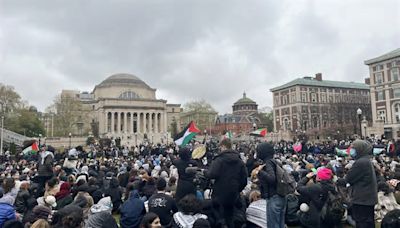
{"points": [[134, 194], [101, 220], [265, 151], [230, 156], [362, 147], [114, 183], [104, 204]]}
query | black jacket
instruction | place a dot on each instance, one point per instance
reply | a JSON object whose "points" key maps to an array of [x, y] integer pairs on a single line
{"points": [[267, 179], [315, 196], [21, 201], [45, 169], [362, 179], [230, 176]]}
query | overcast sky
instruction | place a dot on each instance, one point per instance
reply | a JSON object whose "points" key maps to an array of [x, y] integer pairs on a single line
{"points": [[190, 50]]}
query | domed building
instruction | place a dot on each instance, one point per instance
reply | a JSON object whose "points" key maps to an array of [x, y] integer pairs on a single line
{"points": [[243, 119], [244, 106], [124, 106]]}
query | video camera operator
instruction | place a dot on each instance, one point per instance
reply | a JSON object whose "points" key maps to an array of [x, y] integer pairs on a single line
{"points": [[230, 175]]}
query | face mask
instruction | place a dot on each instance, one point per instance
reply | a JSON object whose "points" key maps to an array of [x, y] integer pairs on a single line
{"points": [[353, 153]]}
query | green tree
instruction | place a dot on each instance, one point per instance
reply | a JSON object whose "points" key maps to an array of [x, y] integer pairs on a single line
{"points": [[67, 111], [199, 111], [200, 105], [267, 120], [9, 99], [25, 122]]}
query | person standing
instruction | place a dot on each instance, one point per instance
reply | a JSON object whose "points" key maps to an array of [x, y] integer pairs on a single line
{"points": [[362, 180], [230, 175], [268, 182], [185, 181]]}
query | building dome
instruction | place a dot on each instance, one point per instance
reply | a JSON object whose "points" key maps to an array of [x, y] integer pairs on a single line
{"points": [[123, 80], [244, 100], [244, 106]]}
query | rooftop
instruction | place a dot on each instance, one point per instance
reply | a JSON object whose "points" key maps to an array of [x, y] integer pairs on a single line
{"points": [[123, 80], [387, 56], [310, 81], [244, 100]]}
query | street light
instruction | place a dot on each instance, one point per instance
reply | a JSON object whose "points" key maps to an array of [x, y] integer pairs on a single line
{"points": [[359, 113], [70, 135]]}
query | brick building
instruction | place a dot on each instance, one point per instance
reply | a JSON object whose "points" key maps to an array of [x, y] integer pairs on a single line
{"points": [[320, 107], [385, 92]]}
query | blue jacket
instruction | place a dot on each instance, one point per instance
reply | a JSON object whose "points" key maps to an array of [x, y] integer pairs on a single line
{"points": [[132, 211], [7, 212]]}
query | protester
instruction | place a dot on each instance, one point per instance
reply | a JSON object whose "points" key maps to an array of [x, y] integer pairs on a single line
{"points": [[185, 181], [162, 204], [268, 183], [362, 180], [214, 191], [230, 175]]}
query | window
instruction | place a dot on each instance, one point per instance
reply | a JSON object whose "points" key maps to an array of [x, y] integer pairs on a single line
{"points": [[380, 95], [129, 95], [293, 98], [313, 97], [378, 78], [382, 115], [323, 98], [395, 74], [397, 112], [396, 92], [303, 97]]}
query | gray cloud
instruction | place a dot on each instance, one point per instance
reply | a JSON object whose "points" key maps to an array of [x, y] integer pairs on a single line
{"points": [[211, 50]]}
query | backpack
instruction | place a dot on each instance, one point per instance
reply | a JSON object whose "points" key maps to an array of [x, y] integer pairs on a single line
{"points": [[292, 207], [333, 209], [285, 182]]}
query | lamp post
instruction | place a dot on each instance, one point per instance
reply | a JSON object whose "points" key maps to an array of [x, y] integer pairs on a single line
{"points": [[2, 133], [359, 113], [70, 135]]}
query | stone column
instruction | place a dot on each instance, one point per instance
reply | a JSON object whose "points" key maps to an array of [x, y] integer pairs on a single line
{"points": [[118, 122], [151, 122], [131, 123], [125, 122], [104, 125], [138, 122], [144, 123], [156, 123], [165, 121], [112, 122]]}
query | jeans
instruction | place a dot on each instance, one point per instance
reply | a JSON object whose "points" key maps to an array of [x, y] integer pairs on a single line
{"points": [[276, 207]]}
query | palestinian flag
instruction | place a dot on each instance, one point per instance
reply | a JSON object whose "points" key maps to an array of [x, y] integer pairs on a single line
{"points": [[228, 135], [187, 134], [262, 132], [343, 152], [32, 149]]}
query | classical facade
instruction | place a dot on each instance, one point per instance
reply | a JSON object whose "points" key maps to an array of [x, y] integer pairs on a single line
{"points": [[123, 106], [384, 80], [311, 105]]}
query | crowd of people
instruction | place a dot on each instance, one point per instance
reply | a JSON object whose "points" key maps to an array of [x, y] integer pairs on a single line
{"points": [[232, 184]]}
